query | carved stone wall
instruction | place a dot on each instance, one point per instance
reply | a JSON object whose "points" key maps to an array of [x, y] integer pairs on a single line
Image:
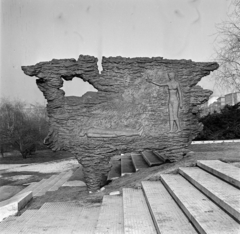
{"points": [[128, 113]]}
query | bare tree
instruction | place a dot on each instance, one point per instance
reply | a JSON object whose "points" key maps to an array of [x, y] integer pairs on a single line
{"points": [[20, 126], [228, 51]]}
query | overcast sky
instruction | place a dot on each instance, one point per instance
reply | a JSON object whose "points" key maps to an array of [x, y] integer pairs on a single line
{"points": [[40, 30]]}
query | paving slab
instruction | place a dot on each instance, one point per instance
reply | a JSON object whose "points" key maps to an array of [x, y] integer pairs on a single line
{"points": [[137, 217], [65, 177], [56, 217], [206, 216], [48, 184], [12, 225], [7, 223], [27, 215], [127, 167], [74, 183], [43, 188], [138, 161], [33, 186], [225, 171], [151, 158], [111, 216], [222, 193], [58, 206], [167, 215]]}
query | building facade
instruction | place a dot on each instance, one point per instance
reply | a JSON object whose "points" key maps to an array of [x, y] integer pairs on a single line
{"points": [[229, 99]]}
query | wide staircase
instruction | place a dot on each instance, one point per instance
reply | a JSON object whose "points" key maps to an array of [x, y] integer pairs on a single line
{"points": [[201, 199]]}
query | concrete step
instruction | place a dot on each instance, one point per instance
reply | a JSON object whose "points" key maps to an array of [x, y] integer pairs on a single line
{"points": [[66, 176], [223, 194], [87, 221], [161, 156], [52, 181], [137, 218], [151, 158], [111, 216], [205, 215], [138, 161], [166, 214], [227, 172], [115, 171], [127, 167]]}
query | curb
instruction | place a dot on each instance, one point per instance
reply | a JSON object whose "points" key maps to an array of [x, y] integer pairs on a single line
{"points": [[14, 204]]}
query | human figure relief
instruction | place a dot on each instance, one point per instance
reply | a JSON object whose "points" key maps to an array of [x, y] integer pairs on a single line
{"points": [[174, 100]]}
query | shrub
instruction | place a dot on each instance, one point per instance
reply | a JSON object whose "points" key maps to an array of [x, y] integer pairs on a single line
{"points": [[221, 126]]}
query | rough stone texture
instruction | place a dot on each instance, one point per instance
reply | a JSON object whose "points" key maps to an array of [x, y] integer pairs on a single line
{"points": [[126, 114]]}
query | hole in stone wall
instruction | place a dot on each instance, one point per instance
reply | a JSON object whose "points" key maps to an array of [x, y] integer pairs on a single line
{"points": [[77, 87], [99, 64]]}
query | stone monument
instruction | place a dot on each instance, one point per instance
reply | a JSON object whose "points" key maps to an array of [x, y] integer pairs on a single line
{"points": [[141, 104]]}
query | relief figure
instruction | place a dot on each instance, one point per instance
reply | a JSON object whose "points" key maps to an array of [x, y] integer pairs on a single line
{"points": [[174, 100]]}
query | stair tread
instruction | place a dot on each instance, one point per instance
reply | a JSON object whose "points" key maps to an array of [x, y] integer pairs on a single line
{"points": [[137, 218], [167, 215], [126, 165], [225, 171], [67, 218], [115, 171], [161, 156], [87, 221], [206, 215], [111, 216], [151, 158], [138, 161], [224, 194]]}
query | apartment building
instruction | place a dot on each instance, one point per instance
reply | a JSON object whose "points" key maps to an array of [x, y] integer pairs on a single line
{"points": [[229, 99]]}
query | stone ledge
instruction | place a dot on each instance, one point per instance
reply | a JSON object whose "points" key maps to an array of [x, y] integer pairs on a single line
{"points": [[14, 204], [215, 142]]}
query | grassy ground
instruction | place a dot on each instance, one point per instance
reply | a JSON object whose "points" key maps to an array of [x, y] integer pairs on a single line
{"points": [[42, 156], [228, 152]]}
